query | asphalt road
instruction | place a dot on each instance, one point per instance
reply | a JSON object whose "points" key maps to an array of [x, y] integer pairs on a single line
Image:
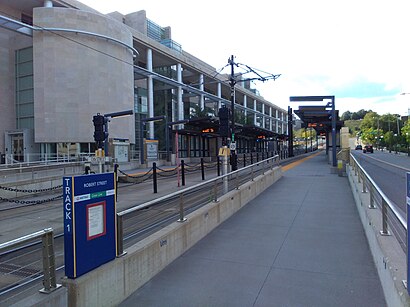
{"points": [[388, 170]]}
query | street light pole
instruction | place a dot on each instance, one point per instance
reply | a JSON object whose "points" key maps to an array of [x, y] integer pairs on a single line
{"points": [[232, 83]]}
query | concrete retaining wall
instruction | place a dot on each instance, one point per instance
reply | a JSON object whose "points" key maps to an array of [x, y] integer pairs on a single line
{"points": [[388, 256], [113, 282]]}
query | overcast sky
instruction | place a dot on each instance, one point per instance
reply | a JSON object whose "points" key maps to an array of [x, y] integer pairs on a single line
{"points": [[357, 50]]}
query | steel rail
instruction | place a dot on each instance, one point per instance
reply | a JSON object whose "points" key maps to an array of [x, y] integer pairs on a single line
{"points": [[390, 204]]}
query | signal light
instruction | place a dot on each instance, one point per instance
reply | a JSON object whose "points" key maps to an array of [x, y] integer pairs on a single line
{"points": [[100, 135], [224, 122]]}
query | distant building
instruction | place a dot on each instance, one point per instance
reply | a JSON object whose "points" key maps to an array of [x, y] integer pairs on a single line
{"points": [[63, 62]]}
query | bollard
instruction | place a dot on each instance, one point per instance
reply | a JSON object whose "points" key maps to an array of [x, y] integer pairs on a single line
{"points": [[202, 169], [183, 172], [154, 177], [49, 266]]}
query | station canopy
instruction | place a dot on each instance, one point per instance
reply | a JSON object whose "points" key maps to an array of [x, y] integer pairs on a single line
{"points": [[318, 117]]}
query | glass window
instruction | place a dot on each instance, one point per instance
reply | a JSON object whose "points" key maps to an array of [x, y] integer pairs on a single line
{"points": [[24, 55], [26, 123], [25, 110], [25, 96], [25, 83], [25, 69]]}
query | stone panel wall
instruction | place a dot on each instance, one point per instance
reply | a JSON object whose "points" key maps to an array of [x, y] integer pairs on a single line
{"points": [[77, 76]]}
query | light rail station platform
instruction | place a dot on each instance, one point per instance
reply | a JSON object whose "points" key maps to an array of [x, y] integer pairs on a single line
{"points": [[299, 243]]}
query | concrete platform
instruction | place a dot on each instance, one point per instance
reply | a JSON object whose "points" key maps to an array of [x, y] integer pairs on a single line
{"points": [[299, 243]]}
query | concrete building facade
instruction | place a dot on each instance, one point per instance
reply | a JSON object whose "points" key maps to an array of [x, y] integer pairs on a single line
{"points": [[63, 62]]}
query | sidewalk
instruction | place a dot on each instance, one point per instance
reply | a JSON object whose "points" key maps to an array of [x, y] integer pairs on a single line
{"points": [[300, 243]]}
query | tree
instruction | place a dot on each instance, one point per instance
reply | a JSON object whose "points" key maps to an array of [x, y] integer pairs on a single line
{"points": [[346, 115], [370, 120], [388, 138]]}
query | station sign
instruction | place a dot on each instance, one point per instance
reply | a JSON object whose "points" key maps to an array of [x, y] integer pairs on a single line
{"points": [[90, 238]]}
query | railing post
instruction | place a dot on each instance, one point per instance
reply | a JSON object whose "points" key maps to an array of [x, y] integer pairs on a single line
{"points": [[218, 164], [202, 169], [364, 184], [183, 172], [49, 264], [251, 158], [384, 231], [359, 177], [257, 157], [120, 236], [237, 180], [181, 208], [371, 206], [216, 190], [154, 177], [244, 160], [252, 172]]}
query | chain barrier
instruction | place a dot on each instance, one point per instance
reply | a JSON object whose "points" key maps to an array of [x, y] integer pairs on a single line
{"points": [[30, 190], [211, 165], [31, 202], [138, 178], [167, 173]]}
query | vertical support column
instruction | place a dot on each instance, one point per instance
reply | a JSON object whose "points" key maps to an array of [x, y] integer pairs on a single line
{"points": [[254, 108], [201, 88], [277, 121], [334, 133], [150, 86], [263, 116], [270, 119], [219, 94], [179, 97], [245, 104]]}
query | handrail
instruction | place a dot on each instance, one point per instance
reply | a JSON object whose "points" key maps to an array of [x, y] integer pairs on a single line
{"points": [[49, 269], [391, 205], [194, 187], [13, 243]]}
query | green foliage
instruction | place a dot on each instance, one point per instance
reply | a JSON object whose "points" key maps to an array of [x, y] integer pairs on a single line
{"points": [[353, 125], [405, 131]]}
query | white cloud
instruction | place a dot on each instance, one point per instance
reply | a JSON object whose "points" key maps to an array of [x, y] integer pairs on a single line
{"points": [[318, 45]]}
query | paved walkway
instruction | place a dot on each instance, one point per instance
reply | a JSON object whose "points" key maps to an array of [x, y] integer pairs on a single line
{"points": [[300, 243]]}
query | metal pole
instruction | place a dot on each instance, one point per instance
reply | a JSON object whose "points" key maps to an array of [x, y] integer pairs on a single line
{"points": [[49, 266], [202, 169], [183, 172], [167, 137], [232, 82], [181, 208], [142, 160], [384, 231], [225, 171], [154, 177], [334, 132]]}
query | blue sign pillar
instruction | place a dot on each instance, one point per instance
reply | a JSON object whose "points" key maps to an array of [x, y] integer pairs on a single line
{"points": [[90, 237], [408, 225]]}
